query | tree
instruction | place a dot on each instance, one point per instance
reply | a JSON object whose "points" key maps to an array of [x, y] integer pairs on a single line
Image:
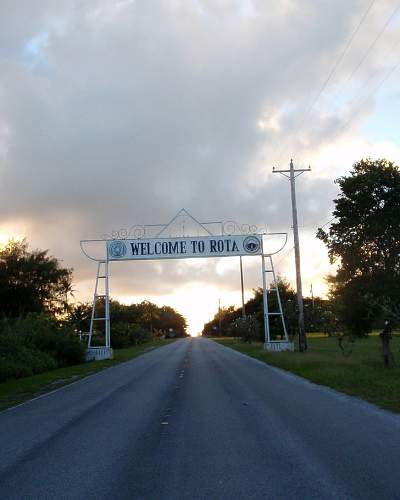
{"points": [[79, 316], [254, 307], [149, 313], [365, 242], [224, 318], [246, 328], [170, 322], [133, 317], [31, 281]]}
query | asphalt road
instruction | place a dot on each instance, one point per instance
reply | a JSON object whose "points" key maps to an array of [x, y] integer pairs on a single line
{"points": [[196, 420]]}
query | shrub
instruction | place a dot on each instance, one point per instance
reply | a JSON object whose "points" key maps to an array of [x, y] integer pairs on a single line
{"points": [[43, 333], [18, 360], [47, 335], [127, 334], [139, 335], [120, 336], [246, 328]]}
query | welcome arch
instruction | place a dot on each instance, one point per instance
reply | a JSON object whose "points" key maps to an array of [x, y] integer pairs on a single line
{"points": [[157, 242]]}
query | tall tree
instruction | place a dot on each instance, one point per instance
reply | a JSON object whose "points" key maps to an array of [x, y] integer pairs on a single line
{"points": [[31, 281], [365, 242], [171, 322], [149, 313]]}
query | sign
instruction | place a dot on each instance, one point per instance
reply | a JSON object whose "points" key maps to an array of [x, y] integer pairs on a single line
{"points": [[179, 248]]}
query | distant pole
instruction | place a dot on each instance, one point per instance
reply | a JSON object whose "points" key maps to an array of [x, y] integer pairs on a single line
{"points": [[241, 283], [312, 296], [219, 317], [312, 311], [292, 177]]}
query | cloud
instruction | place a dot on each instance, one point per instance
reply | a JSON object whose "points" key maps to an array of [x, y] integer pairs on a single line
{"points": [[116, 113]]}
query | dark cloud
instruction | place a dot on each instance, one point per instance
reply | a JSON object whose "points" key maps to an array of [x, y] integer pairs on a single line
{"points": [[116, 113]]}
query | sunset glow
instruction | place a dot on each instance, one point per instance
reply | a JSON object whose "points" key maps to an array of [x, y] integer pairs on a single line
{"points": [[197, 303]]}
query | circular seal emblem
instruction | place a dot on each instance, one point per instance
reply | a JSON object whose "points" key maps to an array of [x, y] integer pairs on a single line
{"points": [[251, 244], [117, 249]]}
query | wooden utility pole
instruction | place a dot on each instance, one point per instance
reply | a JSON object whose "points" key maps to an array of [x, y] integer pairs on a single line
{"points": [[291, 174]]}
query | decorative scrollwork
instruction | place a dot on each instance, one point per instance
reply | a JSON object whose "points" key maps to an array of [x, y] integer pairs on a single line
{"points": [[135, 233], [231, 227], [228, 228]]}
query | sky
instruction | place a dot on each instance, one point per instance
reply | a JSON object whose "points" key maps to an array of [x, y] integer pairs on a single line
{"points": [[117, 113]]}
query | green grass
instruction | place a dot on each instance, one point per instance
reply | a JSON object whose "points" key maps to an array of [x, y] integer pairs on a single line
{"points": [[14, 392], [360, 373]]}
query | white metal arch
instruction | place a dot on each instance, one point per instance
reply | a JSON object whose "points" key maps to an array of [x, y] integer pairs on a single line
{"points": [[148, 242]]}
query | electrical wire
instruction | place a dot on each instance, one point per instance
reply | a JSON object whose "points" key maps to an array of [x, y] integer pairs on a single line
{"points": [[363, 99], [368, 51], [286, 254], [330, 75], [318, 224], [337, 63], [326, 223]]}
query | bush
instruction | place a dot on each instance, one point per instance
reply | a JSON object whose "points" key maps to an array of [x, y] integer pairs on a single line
{"points": [[46, 334], [246, 328], [18, 360], [120, 336], [36, 344], [127, 334], [139, 335]]}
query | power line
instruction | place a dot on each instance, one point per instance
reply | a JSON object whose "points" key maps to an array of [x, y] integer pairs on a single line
{"points": [[361, 101], [290, 250], [331, 73], [394, 50], [363, 97], [286, 254], [368, 51], [326, 223], [338, 61], [317, 225]]}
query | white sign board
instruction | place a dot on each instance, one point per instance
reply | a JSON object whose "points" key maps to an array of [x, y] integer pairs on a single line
{"points": [[183, 248]]}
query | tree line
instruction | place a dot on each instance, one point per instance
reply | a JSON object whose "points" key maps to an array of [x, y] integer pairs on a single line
{"points": [[131, 324], [364, 242], [318, 314]]}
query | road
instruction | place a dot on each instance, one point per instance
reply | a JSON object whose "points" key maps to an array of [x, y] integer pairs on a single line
{"points": [[196, 420]]}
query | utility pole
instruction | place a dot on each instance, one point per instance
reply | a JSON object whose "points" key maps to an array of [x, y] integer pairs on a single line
{"points": [[291, 174], [312, 296], [219, 317], [313, 310], [242, 287]]}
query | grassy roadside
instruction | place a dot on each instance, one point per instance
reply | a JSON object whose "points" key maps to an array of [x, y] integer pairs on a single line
{"points": [[13, 392], [360, 373]]}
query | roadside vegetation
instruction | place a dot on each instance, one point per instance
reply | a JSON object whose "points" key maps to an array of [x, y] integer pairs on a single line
{"points": [[357, 371], [36, 344], [43, 329], [16, 391]]}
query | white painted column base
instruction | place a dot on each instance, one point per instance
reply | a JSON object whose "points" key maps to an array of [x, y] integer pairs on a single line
{"points": [[98, 353], [279, 346]]}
